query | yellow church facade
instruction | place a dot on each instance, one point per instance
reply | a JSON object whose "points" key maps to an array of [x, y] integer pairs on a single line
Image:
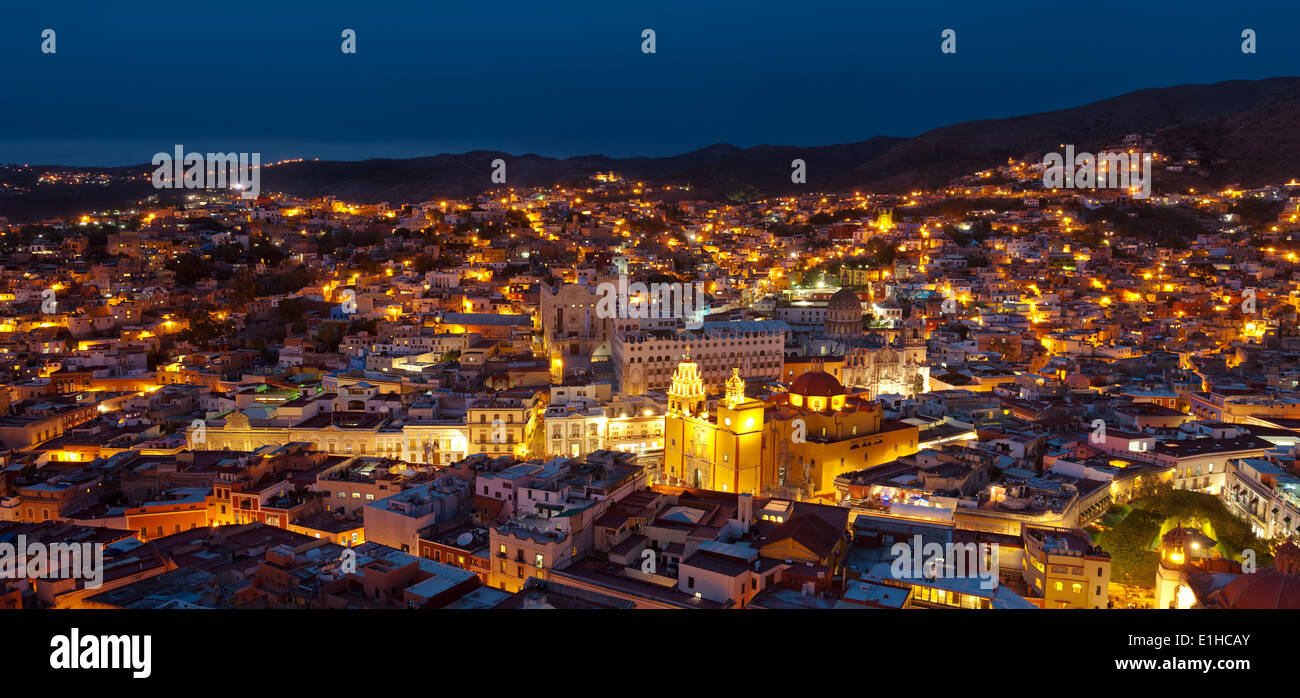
{"points": [[792, 445]]}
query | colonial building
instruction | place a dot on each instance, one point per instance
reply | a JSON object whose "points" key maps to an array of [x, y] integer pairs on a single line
{"points": [[887, 359], [645, 361], [792, 444], [572, 332], [1063, 568], [620, 423], [896, 367], [844, 315], [344, 433]]}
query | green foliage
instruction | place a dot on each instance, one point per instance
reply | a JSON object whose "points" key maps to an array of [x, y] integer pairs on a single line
{"points": [[189, 268], [329, 335], [1207, 512], [517, 219], [1257, 212], [646, 225], [204, 327], [331, 241], [1115, 515], [1130, 544], [425, 263], [843, 214], [1134, 537]]}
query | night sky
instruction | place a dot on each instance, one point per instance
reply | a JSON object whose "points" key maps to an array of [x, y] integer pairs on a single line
{"points": [[131, 78]]}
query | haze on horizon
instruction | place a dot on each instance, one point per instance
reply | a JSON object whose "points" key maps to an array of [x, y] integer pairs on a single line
{"points": [[134, 78]]}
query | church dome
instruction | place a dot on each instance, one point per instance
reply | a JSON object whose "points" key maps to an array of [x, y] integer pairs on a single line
{"points": [[844, 299], [816, 384], [1267, 588]]}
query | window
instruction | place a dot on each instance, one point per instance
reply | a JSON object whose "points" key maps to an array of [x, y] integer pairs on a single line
{"points": [[539, 561], [690, 582], [1060, 586]]}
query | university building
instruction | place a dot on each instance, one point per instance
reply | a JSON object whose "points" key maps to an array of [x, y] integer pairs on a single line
{"points": [[645, 360]]}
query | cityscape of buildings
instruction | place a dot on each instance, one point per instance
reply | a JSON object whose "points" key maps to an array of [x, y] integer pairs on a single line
{"points": [[499, 401]]}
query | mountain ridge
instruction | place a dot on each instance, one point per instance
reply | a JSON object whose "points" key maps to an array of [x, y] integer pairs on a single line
{"points": [[1214, 118]]}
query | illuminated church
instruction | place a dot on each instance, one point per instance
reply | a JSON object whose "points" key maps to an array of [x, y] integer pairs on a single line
{"points": [[790, 444], [879, 361]]}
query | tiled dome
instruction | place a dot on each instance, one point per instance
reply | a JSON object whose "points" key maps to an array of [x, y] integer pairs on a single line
{"points": [[816, 384], [1267, 588]]}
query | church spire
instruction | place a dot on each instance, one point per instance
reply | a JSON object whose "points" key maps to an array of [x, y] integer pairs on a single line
{"points": [[686, 396], [735, 389]]}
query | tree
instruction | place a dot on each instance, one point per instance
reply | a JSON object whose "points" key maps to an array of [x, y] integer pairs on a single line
{"points": [[329, 336], [917, 383]]}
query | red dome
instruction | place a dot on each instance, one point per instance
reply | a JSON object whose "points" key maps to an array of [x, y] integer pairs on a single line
{"points": [[816, 384], [844, 299], [1266, 588]]}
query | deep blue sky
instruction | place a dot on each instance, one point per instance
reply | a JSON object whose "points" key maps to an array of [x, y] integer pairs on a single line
{"points": [[562, 78]]}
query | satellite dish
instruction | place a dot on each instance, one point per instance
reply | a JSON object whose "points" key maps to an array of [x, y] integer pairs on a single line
{"points": [[465, 539]]}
